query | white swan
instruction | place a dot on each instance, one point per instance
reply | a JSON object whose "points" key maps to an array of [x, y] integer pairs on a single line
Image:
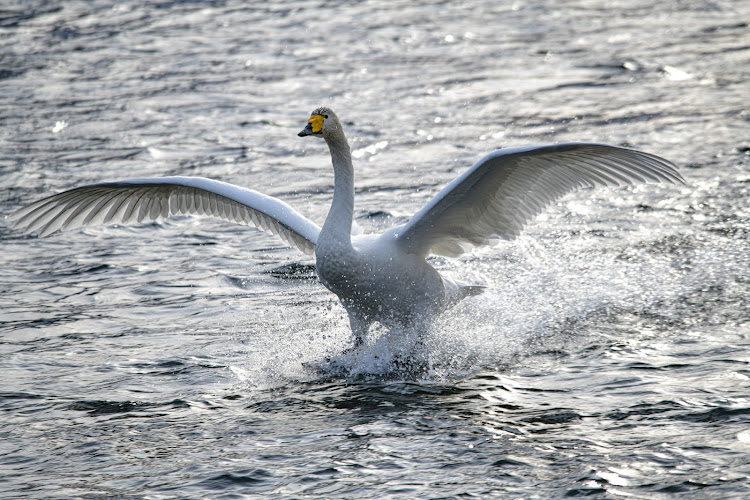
{"points": [[384, 278]]}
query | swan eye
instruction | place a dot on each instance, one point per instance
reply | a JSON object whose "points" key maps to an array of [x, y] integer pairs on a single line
{"points": [[325, 116]]}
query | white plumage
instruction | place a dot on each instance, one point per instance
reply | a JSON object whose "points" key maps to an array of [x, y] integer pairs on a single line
{"points": [[385, 277], [152, 199]]}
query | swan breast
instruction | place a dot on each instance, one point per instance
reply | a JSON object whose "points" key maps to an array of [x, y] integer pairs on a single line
{"points": [[380, 281]]}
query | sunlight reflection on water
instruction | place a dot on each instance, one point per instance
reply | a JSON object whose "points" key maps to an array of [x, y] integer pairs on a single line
{"points": [[609, 356]]}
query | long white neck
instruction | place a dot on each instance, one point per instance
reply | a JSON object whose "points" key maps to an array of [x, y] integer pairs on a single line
{"points": [[338, 224]]}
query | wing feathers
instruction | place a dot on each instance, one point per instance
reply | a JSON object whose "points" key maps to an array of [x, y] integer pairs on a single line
{"points": [[492, 200], [503, 191], [153, 199]]}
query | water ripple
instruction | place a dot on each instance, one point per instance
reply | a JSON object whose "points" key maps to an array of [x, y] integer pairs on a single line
{"points": [[192, 358]]}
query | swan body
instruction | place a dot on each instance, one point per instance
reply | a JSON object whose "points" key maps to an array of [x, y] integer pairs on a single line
{"points": [[378, 278]]}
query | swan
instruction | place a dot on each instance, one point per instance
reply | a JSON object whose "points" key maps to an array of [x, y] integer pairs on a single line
{"points": [[384, 278]]}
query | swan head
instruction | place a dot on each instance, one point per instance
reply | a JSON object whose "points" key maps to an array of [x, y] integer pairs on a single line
{"points": [[323, 123]]}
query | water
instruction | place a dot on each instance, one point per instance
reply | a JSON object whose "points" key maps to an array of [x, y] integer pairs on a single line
{"points": [[609, 357]]}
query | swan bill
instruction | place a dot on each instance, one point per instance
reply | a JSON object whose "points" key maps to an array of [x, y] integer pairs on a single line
{"points": [[314, 126]]}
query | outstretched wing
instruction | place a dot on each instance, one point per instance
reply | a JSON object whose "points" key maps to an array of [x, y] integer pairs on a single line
{"points": [[503, 191], [152, 199]]}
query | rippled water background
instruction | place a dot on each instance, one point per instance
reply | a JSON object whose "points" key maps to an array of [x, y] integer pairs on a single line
{"points": [[610, 356]]}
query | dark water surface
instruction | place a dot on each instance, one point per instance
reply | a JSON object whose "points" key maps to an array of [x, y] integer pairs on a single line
{"points": [[609, 357]]}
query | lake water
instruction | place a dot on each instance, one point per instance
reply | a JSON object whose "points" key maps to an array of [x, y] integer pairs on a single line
{"points": [[609, 356]]}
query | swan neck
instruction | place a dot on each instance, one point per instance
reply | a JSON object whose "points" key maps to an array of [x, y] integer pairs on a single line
{"points": [[338, 224]]}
